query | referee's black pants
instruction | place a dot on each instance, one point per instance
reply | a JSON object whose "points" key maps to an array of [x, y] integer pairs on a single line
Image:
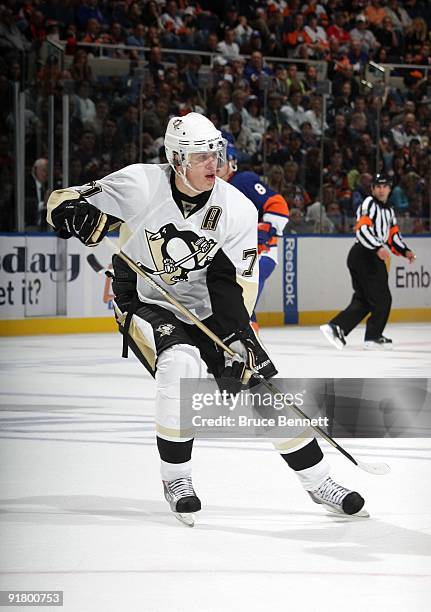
{"points": [[371, 293]]}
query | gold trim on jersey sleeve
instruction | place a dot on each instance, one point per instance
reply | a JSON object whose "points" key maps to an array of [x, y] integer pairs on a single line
{"points": [[249, 292]]}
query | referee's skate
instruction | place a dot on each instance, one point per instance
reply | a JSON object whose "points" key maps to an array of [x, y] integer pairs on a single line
{"points": [[334, 334]]}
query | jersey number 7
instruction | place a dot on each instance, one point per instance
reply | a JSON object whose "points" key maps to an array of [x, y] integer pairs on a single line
{"points": [[249, 253]]}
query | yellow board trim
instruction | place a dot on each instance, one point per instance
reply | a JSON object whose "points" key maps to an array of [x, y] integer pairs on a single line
{"points": [[318, 317], [57, 325], [270, 319], [90, 325], [410, 315], [398, 315]]}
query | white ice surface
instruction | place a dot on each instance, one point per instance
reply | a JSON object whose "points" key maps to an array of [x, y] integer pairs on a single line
{"points": [[82, 511]]}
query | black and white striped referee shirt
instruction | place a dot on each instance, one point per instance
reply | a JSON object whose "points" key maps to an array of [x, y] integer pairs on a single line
{"points": [[377, 225]]}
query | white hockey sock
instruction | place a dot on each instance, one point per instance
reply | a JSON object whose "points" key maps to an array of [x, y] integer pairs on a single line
{"points": [[172, 471], [311, 478]]}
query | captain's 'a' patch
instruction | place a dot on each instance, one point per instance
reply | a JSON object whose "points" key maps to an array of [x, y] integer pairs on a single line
{"points": [[211, 218]]}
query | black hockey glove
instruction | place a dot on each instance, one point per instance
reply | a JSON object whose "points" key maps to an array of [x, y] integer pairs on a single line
{"points": [[81, 219], [249, 354]]}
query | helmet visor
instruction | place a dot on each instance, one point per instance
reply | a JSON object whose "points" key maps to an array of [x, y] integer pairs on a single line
{"points": [[201, 158]]}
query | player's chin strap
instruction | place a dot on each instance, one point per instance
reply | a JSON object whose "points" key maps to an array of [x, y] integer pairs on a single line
{"points": [[372, 468], [184, 178]]}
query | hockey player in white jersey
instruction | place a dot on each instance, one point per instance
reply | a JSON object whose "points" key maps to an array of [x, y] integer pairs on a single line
{"points": [[197, 236]]}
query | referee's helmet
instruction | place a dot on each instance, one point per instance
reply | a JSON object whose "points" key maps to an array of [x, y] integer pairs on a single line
{"points": [[382, 179]]}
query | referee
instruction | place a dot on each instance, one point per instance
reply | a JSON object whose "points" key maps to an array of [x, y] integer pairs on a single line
{"points": [[376, 225]]}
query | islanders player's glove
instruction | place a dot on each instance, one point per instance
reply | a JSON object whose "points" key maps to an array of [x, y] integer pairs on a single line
{"points": [[265, 231]]}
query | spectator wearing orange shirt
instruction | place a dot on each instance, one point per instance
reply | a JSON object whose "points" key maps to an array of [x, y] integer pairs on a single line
{"points": [[375, 13], [298, 35], [310, 6]]}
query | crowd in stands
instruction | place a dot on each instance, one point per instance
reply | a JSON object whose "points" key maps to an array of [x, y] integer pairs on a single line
{"points": [[261, 85]]}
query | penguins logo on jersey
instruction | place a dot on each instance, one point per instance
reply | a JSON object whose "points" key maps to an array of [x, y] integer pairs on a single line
{"points": [[166, 329], [176, 253]]}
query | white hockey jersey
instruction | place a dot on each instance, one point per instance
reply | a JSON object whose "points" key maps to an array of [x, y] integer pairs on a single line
{"points": [[207, 259]]}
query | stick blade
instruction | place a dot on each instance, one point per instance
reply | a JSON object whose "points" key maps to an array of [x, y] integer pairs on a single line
{"points": [[378, 469]]}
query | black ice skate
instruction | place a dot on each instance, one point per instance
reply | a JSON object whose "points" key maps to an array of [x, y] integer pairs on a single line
{"points": [[379, 344], [182, 499], [338, 499], [334, 334]]}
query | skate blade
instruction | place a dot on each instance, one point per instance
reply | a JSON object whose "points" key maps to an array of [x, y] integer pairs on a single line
{"points": [[361, 514], [185, 518], [327, 332], [378, 347]]}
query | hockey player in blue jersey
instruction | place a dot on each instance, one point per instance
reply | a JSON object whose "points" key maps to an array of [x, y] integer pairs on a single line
{"points": [[273, 215]]}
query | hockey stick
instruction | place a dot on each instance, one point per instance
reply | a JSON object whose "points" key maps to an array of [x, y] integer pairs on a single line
{"points": [[371, 468], [100, 269], [178, 263]]}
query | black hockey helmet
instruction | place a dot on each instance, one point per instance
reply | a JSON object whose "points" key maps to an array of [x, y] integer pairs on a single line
{"points": [[382, 179]]}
